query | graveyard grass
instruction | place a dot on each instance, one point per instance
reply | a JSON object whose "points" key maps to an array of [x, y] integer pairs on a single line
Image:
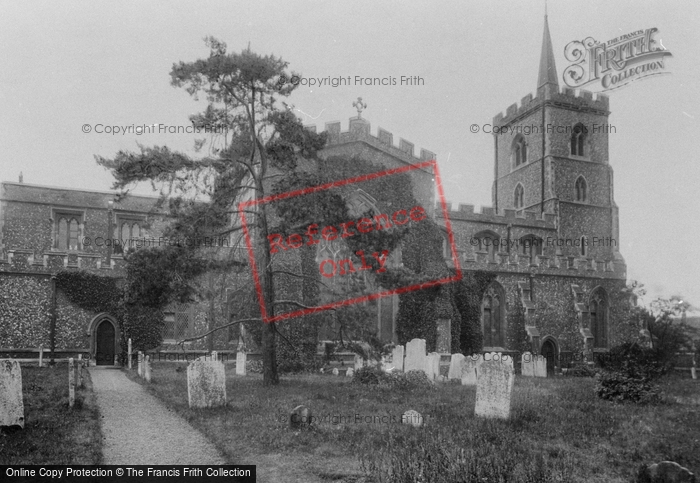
{"points": [[54, 434], [559, 429]]}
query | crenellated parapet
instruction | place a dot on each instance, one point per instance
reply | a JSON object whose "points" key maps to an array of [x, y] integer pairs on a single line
{"points": [[51, 262], [359, 130], [489, 215], [566, 96]]}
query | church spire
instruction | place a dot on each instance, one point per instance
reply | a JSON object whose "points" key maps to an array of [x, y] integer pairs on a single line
{"points": [[548, 71]]}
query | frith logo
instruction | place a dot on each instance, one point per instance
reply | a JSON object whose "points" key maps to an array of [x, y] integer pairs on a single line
{"points": [[615, 63]]}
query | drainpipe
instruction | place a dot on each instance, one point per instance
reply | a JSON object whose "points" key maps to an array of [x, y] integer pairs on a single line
{"points": [[52, 329], [110, 232]]}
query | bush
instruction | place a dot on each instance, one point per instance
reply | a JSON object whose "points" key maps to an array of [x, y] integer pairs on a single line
{"points": [[405, 380], [635, 361], [368, 375], [624, 387]]}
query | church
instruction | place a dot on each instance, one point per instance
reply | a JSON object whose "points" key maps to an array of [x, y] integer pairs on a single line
{"points": [[542, 270]]}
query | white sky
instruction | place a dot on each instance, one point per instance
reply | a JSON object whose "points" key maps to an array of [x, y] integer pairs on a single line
{"points": [[65, 64]]}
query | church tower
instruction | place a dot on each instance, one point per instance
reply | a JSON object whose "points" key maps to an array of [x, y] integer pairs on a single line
{"points": [[551, 156]]}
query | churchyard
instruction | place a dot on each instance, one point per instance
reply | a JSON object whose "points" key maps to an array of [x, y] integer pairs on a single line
{"points": [[558, 429]]}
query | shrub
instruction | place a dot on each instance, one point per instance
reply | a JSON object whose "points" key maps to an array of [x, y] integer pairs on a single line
{"points": [[624, 387], [368, 375], [405, 380], [634, 360]]}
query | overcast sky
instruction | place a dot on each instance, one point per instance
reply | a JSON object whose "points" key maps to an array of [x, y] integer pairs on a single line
{"points": [[66, 64]]}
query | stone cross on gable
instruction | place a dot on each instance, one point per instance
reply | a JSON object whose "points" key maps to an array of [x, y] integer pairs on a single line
{"points": [[360, 106]]}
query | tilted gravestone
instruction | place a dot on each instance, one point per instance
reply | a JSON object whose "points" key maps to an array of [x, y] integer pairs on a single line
{"points": [[241, 359], [455, 371], [11, 402], [350, 372], [359, 362], [206, 384], [300, 417], [397, 357], [470, 368], [432, 367], [494, 387], [415, 356]]}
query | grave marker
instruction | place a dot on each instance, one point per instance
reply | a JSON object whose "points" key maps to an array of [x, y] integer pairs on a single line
{"points": [[397, 357], [432, 367], [494, 387], [206, 384], [240, 363], [129, 352], [415, 356], [41, 356], [470, 369], [455, 367], [11, 401], [147, 369]]}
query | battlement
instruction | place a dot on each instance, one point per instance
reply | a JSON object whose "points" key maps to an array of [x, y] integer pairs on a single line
{"points": [[359, 130], [488, 215], [20, 260], [577, 97]]}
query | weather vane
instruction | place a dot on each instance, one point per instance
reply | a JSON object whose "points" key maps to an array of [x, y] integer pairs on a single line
{"points": [[359, 105]]}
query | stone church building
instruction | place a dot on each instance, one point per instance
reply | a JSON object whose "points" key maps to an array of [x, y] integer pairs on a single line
{"points": [[550, 242]]}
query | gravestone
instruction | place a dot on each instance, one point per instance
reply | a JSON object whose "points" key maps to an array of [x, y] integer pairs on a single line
{"points": [[11, 402], [241, 359], [147, 369], [455, 367], [71, 382], [432, 367], [358, 362], [140, 364], [41, 356], [494, 386], [206, 384], [540, 366], [693, 373], [397, 357], [350, 372], [665, 472], [470, 369], [415, 356], [335, 371], [300, 417], [527, 362], [413, 418], [214, 356]]}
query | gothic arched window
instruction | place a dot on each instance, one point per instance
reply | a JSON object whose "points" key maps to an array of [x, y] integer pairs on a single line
{"points": [[578, 137], [67, 231], [581, 189], [598, 308], [519, 197], [492, 316]]}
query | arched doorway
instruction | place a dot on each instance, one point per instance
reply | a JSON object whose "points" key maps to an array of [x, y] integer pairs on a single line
{"points": [[549, 352], [104, 339]]}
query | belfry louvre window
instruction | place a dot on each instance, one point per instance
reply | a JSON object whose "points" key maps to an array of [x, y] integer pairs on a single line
{"points": [[67, 230], [578, 137], [519, 151], [581, 189], [519, 197]]}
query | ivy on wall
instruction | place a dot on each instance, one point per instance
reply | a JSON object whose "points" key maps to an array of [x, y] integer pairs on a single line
{"points": [[468, 294], [97, 294]]}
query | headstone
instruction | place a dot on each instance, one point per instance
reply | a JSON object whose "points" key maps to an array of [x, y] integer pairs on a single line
{"points": [[335, 371], [71, 383], [359, 362], [693, 374], [300, 417], [140, 364], [527, 364], [665, 472], [540, 366], [321, 371], [494, 386], [240, 363], [470, 369], [41, 356], [206, 384], [214, 356], [350, 372], [432, 366], [415, 356], [397, 357], [129, 354], [11, 402], [413, 418], [147, 369], [455, 367], [443, 344]]}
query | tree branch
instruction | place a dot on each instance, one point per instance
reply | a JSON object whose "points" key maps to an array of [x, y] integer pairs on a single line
{"points": [[217, 328]]}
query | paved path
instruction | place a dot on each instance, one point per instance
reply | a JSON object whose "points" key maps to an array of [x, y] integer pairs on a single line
{"points": [[138, 430]]}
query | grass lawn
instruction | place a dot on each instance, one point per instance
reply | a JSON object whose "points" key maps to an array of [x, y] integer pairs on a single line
{"points": [[559, 430], [54, 434]]}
